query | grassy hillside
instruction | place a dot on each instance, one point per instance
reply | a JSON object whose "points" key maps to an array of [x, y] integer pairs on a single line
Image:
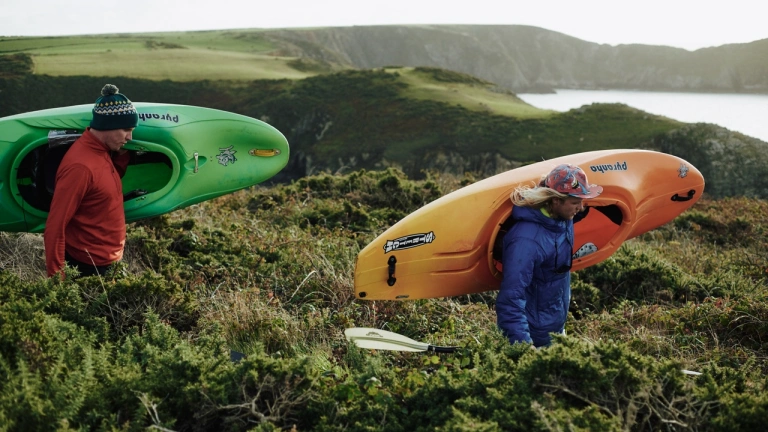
{"points": [[463, 90], [170, 64], [241, 41], [182, 56], [268, 272]]}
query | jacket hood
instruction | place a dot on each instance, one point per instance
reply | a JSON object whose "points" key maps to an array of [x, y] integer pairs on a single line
{"points": [[530, 214]]}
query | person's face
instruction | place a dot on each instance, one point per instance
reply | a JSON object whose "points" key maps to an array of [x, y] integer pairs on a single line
{"points": [[115, 139], [567, 208]]}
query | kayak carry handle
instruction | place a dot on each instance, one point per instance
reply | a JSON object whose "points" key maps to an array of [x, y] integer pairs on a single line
{"points": [[677, 197], [391, 263]]}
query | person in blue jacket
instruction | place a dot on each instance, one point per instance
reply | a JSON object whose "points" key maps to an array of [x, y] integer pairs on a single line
{"points": [[537, 256]]}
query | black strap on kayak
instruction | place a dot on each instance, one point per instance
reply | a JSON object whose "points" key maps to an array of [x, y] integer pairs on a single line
{"points": [[391, 270]]}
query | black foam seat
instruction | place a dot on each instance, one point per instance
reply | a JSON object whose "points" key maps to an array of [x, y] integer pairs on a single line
{"points": [[51, 161]]}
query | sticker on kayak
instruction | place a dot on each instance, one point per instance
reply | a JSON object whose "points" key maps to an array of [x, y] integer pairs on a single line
{"points": [[586, 249], [227, 155], [683, 170], [409, 241]]}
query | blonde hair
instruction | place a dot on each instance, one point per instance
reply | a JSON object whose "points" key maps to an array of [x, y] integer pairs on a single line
{"points": [[534, 196]]}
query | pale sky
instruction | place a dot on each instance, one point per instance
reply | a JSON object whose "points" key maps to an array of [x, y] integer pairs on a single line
{"points": [[690, 24]]}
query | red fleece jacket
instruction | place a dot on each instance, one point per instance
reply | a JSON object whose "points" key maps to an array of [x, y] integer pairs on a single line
{"points": [[87, 216]]}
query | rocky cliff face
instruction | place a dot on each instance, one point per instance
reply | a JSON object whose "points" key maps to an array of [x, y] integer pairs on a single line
{"points": [[523, 58]]}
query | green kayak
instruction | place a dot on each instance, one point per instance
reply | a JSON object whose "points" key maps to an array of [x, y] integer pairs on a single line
{"points": [[180, 155]]}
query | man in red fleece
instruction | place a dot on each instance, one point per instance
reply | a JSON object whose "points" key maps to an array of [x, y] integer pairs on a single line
{"points": [[86, 223]]}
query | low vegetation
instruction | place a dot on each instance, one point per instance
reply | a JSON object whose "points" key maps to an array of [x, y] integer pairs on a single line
{"points": [[268, 272], [15, 65]]}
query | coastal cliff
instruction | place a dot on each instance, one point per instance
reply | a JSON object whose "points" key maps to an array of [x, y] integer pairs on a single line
{"points": [[531, 59]]}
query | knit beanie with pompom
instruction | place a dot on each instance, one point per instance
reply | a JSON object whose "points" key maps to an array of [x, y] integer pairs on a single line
{"points": [[113, 111]]}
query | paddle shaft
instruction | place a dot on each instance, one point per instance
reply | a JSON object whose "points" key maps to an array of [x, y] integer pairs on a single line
{"points": [[441, 349]]}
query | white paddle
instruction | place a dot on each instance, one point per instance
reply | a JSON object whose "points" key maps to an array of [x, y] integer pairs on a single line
{"points": [[371, 338]]}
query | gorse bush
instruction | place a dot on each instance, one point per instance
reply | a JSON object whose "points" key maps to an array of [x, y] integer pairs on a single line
{"points": [[638, 275], [268, 272], [572, 384], [57, 371]]}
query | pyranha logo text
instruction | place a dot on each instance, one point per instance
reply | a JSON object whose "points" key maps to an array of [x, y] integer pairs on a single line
{"points": [[409, 241], [169, 117], [618, 166]]}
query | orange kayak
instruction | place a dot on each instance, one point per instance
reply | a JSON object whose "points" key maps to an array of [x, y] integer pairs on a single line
{"points": [[446, 248]]}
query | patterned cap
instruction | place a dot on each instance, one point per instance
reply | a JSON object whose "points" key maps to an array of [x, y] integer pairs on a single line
{"points": [[571, 180], [113, 111]]}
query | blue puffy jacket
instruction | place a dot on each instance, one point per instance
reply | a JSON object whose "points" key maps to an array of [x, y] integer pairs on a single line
{"points": [[536, 288]]}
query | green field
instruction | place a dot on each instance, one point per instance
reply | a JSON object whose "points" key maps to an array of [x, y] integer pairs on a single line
{"points": [[169, 64], [186, 56], [236, 41]]}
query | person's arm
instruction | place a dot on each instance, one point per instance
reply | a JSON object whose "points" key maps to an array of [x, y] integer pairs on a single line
{"points": [[71, 184], [519, 260], [120, 160]]}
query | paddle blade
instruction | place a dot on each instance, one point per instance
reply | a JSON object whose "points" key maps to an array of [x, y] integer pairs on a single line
{"points": [[371, 338]]}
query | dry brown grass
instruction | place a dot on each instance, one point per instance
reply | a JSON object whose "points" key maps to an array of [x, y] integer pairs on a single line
{"points": [[23, 254]]}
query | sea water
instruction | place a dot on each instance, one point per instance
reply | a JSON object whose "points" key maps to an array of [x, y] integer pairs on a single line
{"points": [[745, 113]]}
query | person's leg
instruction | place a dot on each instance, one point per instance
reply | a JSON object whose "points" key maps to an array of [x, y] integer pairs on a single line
{"points": [[85, 269], [541, 339]]}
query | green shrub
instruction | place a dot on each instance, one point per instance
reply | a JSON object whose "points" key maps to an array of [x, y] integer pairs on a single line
{"points": [[641, 275]]}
